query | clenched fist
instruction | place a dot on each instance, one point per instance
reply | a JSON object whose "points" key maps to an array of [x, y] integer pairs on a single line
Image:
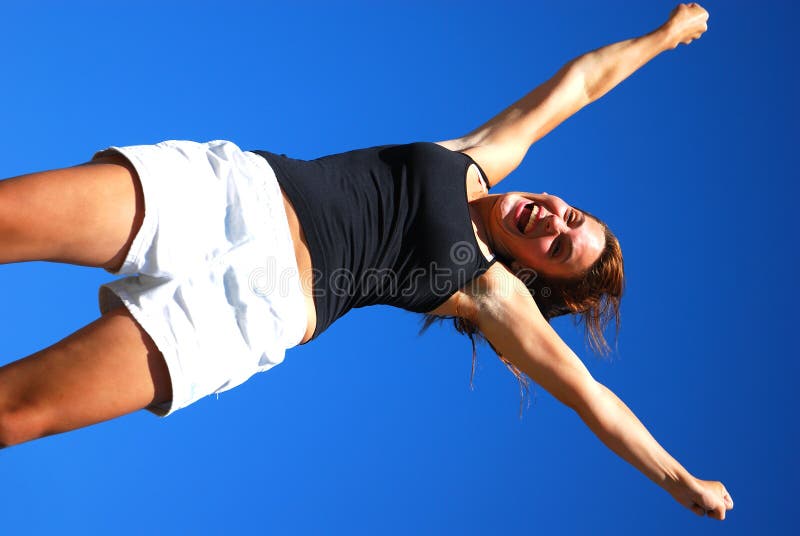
{"points": [[686, 23], [704, 497]]}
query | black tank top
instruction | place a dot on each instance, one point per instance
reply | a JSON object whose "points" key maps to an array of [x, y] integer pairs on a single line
{"points": [[385, 225]]}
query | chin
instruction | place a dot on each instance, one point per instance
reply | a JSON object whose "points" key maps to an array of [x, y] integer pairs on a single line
{"points": [[507, 204]]}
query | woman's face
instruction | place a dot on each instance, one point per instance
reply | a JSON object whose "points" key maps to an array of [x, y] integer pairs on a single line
{"points": [[542, 232]]}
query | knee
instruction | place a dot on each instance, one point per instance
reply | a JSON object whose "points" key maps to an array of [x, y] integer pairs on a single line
{"points": [[19, 424]]}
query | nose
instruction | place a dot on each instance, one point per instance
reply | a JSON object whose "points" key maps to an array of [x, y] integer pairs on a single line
{"points": [[554, 225]]}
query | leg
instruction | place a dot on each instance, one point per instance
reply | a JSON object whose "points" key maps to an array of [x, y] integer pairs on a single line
{"points": [[86, 215], [109, 368]]}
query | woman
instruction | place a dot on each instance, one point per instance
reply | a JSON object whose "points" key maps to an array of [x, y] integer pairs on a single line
{"points": [[217, 285]]}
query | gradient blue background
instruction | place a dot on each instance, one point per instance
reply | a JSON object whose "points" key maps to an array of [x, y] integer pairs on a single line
{"points": [[372, 429]]}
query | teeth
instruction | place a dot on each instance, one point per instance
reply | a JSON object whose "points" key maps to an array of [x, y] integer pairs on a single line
{"points": [[532, 219]]}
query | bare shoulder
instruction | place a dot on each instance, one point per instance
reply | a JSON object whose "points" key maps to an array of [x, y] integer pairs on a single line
{"points": [[488, 294], [467, 145], [496, 159], [497, 292], [456, 144]]}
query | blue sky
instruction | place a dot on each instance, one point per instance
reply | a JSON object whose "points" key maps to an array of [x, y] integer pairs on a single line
{"points": [[372, 429]]}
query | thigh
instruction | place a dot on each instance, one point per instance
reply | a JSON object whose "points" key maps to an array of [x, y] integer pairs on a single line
{"points": [[108, 368], [87, 215]]}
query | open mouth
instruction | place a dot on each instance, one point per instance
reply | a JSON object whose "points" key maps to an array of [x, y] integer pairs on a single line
{"points": [[527, 217]]}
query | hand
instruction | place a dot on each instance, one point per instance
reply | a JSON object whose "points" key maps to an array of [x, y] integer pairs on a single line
{"points": [[704, 497], [686, 23]]}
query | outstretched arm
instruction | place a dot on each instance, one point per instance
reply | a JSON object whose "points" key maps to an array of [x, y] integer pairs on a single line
{"points": [[500, 144], [508, 317]]}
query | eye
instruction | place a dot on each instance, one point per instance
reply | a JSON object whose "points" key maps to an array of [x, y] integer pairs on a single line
{"points": [[571, 217], [556, 248]]}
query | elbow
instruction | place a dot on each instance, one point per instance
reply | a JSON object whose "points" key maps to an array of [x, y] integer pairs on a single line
{"points": [[576, 74], [586, 399], [22, 422]]}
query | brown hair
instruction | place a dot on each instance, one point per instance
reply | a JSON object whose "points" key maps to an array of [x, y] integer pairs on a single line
{"points": [[594, 298]]}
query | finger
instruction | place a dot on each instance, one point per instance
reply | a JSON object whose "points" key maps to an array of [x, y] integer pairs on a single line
{"points": [[697, 509], [727, 499], [711, 512], [728, 502], [717, 511]]}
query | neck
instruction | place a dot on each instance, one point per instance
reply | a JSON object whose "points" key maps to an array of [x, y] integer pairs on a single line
{"points": [[481, 210]]}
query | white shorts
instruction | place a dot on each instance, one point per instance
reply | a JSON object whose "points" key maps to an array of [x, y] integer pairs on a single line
{"points": [[212, 275]]}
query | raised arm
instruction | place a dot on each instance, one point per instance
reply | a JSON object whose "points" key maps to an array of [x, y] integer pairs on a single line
{"points": [[500, 144], [506, 314]]}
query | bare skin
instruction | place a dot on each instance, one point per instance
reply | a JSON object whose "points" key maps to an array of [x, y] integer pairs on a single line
{"points": [[111, 367], [500, 305]]}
